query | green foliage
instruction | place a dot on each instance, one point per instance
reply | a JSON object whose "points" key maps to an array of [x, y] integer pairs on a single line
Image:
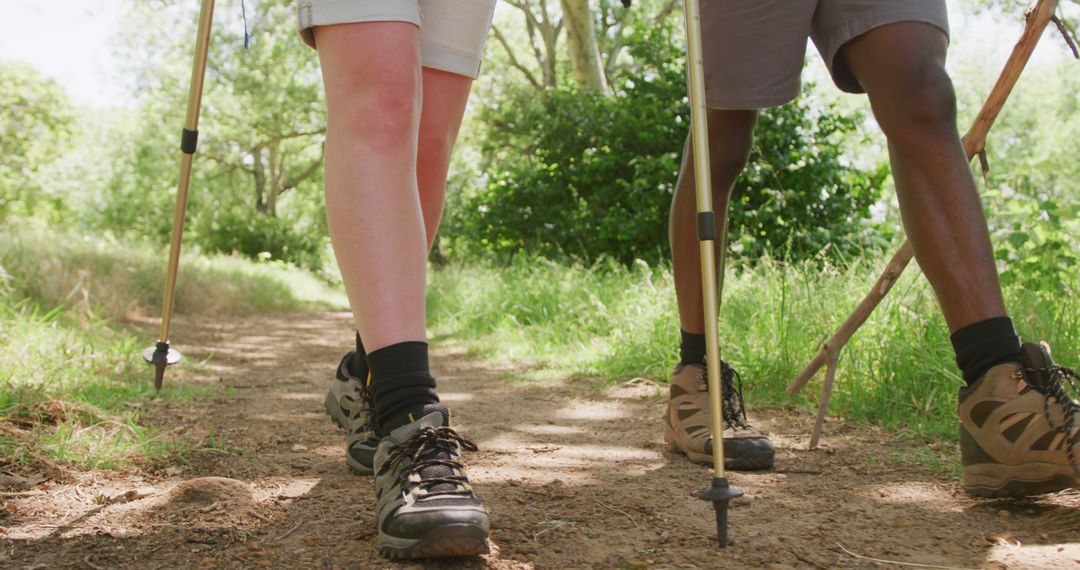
{"points": [[1039, 250], [36, 122], [798, 196], [585, 175], [261, 236], [582, 177], [1033, 197]]}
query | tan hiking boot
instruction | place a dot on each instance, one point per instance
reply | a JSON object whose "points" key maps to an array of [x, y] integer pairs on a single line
{"points": [[686, 423], [1020, 429]]}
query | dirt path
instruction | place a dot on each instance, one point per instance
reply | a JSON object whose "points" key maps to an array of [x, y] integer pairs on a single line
{"points": [[573, 478]]}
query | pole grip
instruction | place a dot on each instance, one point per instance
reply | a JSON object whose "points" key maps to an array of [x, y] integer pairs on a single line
{"points": [[706, 226], [189, 141]]}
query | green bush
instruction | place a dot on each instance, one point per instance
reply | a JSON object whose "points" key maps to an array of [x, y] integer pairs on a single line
{"points": [[572, 174], [260, 236]]}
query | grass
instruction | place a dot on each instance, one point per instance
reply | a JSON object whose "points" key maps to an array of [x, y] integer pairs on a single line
{"points": [[108, 278], [71, 392], [72, 382], [607, 323]]}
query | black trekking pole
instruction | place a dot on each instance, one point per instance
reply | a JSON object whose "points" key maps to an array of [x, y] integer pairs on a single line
{"points": [[160, 355], [720, 493]]}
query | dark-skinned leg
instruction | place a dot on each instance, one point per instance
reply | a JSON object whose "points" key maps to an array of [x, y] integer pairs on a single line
{"points": [[686, 425], [902, 68], [731, 134], [1015, 439]]}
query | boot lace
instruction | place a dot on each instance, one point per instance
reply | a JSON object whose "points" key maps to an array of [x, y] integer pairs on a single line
{"points": [[362, 413], [734, 408], [1061, 387], [430, 454]]}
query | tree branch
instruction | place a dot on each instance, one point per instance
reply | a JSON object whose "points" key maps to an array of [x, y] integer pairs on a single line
{"points": [[666, 11], [306, 173], [499, 37]]}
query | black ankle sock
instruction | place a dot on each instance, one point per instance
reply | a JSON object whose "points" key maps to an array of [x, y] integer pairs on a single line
{"points": [[358, 365], [692, 348], [984, 345], [401, 383]]}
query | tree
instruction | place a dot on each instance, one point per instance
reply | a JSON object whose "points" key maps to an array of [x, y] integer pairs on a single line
{"points": [[596, 33], [584, 52], [257, 179], [36, 123]]}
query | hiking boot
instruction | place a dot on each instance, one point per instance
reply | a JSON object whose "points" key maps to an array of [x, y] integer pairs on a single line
{"points": [[1020, 429], [425, 506], [687, 428], [348, 403]]}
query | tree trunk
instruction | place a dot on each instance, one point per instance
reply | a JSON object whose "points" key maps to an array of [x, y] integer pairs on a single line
{"points": [[260, 179], [276, 167], [584, 51]]}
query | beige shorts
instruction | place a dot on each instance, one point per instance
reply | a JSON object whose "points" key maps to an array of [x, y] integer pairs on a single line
{"points": [[753, 50], [452, 32]]}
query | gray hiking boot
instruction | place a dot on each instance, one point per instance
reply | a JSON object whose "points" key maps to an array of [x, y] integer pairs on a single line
{"points": [[687, 428], [348, 403], [1020, 428], [425, 505]]}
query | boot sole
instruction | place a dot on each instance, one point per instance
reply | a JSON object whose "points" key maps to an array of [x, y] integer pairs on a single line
{"points": [[1000, 481], [448, 541], [751, 462]]}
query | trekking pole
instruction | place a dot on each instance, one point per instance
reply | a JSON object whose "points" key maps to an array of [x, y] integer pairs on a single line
{"points": [[160, 355], [720, 492]]}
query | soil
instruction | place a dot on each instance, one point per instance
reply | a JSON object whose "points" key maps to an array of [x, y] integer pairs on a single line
{"points": [[573, 476]]}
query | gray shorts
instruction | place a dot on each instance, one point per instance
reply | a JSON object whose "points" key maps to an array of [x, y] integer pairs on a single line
{"points": [[452, 32], [753, 50]]}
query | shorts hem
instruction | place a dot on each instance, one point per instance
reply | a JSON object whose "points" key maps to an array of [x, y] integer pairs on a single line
{"points": [[843, 78], [744, 100], [331, 12], [450, 61]]}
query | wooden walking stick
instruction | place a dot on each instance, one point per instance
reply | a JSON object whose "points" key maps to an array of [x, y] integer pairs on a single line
{"points": [[161, 355], [1038, 16], [720, 492]]}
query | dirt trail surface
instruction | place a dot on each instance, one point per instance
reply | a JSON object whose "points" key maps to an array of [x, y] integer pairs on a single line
{"points": [[573, 478]]}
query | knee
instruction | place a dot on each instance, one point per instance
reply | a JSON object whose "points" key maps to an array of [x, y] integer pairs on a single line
{"points": [[383, 110], [925, 106], [731, 136], [433, 149], [730, 155]]}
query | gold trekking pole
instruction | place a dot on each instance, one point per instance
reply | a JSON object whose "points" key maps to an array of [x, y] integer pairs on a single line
{"points": [[160, 355], [719, 493]]}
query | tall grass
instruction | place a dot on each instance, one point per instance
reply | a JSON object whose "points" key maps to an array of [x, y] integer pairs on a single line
{"points": [[114, 279], [607, 322], [72, 383]]}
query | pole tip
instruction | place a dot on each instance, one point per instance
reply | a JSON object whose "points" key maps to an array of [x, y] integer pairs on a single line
{"points": [[161, 356], [720, 494]]}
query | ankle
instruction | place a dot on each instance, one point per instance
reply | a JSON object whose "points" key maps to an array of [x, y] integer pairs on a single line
{"points": [[401, 383], [984, 345], [691, 348]]}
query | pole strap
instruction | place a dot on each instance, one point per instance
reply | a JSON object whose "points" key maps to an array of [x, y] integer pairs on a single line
{"points": [[189, 141]]}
